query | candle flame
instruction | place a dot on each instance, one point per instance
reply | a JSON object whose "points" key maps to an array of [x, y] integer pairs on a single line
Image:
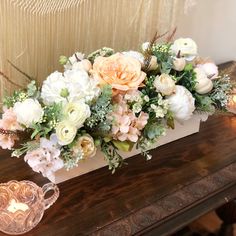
{"points": [[15, 206]]}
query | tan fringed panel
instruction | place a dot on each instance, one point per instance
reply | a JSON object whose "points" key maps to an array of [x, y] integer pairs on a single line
{"points": [[34, 33]]}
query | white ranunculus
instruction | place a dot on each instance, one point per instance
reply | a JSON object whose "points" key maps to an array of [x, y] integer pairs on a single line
{"points": [[65, 132], [210, 69], [164, 84], [72, 86], [187, 48], [28, 112], [77, 113], [181, 103], [204, 84]]}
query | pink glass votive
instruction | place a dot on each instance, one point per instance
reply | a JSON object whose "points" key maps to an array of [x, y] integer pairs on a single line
{"points": [[22, 205]]}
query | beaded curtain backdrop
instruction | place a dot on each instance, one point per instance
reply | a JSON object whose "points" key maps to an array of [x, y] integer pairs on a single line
{"points": [[34, 33]]}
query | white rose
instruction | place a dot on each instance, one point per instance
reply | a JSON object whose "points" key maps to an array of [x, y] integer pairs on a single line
{"points": [[210, 69], [181, 103], [204, 84], [28, 112], [85, 144], [77, 113], [65, 132], [187, 48], [164, 84]]}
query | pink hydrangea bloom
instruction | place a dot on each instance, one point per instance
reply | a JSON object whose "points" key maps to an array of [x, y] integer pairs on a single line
{"points": [[9, 122], [45, 159], [126, 126]]}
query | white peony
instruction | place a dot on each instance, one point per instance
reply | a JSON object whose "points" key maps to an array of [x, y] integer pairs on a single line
{"points": [[164, 84], [204, 84], [28, 112], [77, 113], [187, 48], [81, 83], [72, 86], [181, 103], [52, 88]]}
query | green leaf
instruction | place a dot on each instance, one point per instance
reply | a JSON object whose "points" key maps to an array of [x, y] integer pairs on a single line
{"points": [[124, 146], [187, 78], [107, 139], [154, 130], [204, 103], [188, 67], [32, 89], [100, 109]]}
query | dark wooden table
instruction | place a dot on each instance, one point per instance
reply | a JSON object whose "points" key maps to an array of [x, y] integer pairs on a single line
{"points": [[184, 180]]}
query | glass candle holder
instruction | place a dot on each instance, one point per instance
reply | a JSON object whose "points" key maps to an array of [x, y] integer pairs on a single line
{"points": [[22, 205], [232, 103]]}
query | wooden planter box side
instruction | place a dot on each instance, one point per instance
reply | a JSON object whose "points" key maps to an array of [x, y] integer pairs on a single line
{"points": [[181, 130]]}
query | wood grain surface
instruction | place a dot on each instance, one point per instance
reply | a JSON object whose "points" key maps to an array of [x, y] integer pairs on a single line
{"points": [[184, 180], [143, 195]]}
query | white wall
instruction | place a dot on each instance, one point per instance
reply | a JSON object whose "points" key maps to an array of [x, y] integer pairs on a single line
{"points": [[212, 24]]}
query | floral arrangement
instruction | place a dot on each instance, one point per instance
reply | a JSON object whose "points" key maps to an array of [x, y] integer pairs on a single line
{"points": [[111, 101]]}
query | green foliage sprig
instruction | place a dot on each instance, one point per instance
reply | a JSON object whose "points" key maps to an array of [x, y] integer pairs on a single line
{"points": [[104, 52], [113, 158], [187, 78], [221, 89], [163, 55], [52, 115], [100, 109]]}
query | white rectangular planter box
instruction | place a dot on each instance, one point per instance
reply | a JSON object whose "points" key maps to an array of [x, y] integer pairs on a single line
{"points": [[181, 130]]}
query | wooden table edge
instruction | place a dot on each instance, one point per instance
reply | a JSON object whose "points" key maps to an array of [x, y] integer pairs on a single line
{"points": [[162, 217]]}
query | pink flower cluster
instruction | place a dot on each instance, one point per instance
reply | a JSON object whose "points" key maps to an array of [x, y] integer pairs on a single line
{"points": [[9, 122], [45, 159], [126, 126]]}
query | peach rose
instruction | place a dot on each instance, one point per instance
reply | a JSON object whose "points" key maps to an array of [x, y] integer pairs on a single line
{"points": [[120, 71]]}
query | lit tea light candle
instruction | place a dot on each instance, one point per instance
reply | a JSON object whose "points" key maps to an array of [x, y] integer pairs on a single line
{"points": [[22, 205], [232, 104], [15, 206]]}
